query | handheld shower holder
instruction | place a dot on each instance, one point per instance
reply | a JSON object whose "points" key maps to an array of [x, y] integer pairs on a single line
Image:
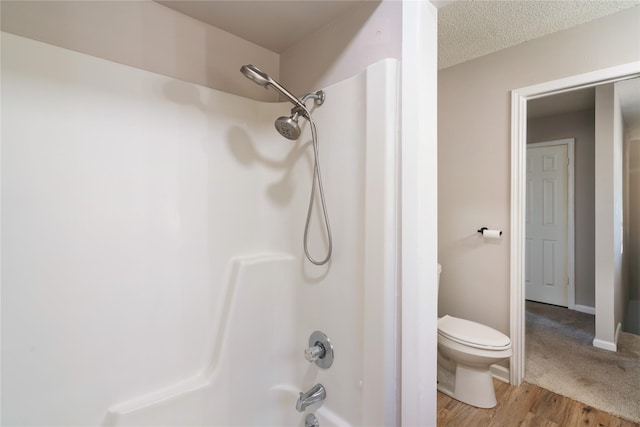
{"points": [[318, 97]]}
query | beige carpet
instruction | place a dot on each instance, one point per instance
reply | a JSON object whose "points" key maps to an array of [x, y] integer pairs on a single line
{"points": [[559, 356]]}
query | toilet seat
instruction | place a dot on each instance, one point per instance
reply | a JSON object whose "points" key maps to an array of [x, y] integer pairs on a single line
{"points": [[472, 334]]}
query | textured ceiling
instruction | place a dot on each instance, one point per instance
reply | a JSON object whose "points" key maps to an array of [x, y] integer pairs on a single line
{"points": [[470, 29]]}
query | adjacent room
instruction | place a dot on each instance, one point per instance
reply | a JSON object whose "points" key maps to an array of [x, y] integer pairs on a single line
{"points": [[553, 168]]}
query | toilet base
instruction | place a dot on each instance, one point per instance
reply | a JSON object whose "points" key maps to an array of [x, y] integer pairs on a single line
{"points": [[475, 386], [469, 385]]}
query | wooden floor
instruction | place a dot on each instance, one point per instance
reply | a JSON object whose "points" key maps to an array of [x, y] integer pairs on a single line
{"points": [[527, 405]]}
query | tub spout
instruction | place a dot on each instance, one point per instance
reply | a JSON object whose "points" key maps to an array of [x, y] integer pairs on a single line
{"points": [[316, 394]]}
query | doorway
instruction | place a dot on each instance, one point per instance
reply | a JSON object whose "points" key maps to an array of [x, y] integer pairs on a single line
{"points": [[519, 98]]}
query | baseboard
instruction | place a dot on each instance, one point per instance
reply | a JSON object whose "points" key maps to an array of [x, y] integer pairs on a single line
{"points": [[605, 345], [585, 309], [500, 373]]}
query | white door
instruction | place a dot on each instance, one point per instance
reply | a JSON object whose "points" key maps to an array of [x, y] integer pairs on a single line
{"points": [[547, 224]]}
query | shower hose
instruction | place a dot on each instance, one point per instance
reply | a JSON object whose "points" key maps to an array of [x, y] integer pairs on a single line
{"points": [[317, 177]]}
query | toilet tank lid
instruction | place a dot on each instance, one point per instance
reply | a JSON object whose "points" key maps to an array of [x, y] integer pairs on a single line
{"points": [[475, 334]]}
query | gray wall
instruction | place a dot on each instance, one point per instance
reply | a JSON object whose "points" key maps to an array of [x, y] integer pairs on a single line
{"points": [[578, 125]]}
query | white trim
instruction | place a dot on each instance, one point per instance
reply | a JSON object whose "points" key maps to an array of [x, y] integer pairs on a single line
{"points": [[608, 345], [380, 370], [581, 81], [419, 215], [585, 309], [500, 373], [518, 209], [605, 345], [519, 99], [571, 242]]}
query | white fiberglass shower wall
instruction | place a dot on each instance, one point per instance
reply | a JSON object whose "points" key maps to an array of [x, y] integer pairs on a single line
{"points": [[152, 262]]}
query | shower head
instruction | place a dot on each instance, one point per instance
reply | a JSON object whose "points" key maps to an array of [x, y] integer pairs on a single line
{"points": [[260, 77], [288, 126], [255, 74]]}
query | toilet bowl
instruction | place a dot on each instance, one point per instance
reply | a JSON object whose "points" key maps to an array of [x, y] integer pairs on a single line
{"points": [[466, 351]]}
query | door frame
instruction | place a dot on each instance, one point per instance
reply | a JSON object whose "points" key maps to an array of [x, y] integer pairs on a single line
{"points": [[570, 262], [416, 396], [519, 98]]}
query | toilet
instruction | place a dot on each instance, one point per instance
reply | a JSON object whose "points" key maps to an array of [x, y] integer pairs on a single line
{"points": [[466, 350]]}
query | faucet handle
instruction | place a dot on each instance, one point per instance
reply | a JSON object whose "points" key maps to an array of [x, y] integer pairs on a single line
{"points": [[314, 353], [320, 350]]}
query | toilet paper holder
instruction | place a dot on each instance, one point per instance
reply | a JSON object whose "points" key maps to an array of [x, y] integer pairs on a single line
{"points": [[483, 229]]}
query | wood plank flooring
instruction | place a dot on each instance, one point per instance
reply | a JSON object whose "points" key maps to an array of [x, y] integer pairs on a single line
{"points": [[525, 406]]}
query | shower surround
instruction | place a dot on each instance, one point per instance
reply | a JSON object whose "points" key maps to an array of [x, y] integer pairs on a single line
{"points": [[152, 262]]}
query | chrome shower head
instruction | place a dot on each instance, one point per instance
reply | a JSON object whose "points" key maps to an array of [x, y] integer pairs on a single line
{"points": [[256, 75], [260, 77], [288, 126]]}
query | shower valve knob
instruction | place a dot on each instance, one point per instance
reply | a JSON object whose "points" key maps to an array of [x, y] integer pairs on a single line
{"points": [[314, 353], [320, 350]]}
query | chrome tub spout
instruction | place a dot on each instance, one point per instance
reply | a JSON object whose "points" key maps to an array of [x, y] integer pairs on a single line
{"points": [[316, 394]]}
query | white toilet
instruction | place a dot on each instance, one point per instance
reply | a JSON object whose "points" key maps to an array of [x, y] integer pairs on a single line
{"points": [[466, 350]]}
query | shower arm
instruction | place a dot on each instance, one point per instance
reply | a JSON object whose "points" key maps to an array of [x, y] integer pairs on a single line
{"points": [[318, 98], [284, 92]]}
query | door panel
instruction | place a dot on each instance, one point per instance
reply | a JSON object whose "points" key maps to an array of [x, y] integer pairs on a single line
{"points": [[546, 272]]}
